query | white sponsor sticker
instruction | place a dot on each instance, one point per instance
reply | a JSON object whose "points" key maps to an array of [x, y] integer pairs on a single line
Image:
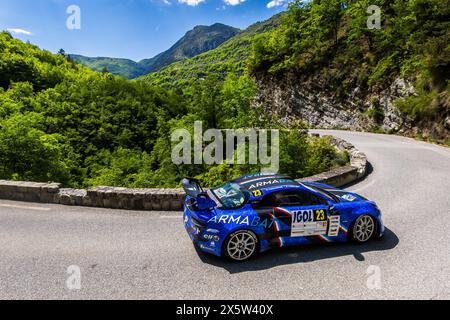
{"points": [[306, 223], [335, 222]]}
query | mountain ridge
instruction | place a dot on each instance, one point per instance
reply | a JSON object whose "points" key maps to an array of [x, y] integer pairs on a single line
{"points": [[230, 56], [200, 39]]}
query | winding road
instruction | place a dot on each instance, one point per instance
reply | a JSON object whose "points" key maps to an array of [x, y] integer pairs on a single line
{"points": [[147, 255]]}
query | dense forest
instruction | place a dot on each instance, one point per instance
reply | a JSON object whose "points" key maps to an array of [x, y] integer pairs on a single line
{"points": [[62, 122], [330, 40], [328, 45]]}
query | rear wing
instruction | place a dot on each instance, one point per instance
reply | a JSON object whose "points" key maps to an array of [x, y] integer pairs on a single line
{"points": [[199, 199], [192, 187]]}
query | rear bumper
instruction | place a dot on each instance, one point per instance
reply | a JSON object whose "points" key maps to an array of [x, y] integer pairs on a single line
{"points": [[206, 239]]}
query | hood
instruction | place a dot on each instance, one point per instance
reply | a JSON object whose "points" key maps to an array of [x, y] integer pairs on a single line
{"points": [[346, 196], [343, 195]]}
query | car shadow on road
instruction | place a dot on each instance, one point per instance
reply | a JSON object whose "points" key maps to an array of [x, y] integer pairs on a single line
{"points": [[302, 254]]}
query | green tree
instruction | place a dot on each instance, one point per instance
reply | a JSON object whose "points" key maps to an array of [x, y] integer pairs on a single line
{"points": [[28, 153]]}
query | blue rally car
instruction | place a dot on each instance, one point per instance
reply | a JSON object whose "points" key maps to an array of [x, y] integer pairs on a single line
{"points": [[258, 212]]}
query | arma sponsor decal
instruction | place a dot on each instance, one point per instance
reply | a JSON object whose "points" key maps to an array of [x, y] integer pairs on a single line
{"points": [[261, 184], [243, 220]]}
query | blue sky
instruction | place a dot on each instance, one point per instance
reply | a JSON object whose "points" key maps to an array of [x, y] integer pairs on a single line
{"points": [[134, 29]]}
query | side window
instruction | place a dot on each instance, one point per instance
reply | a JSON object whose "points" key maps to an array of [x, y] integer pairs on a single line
{"points": [[267, 202], [288, 198], [291, 198], [309, 199]]}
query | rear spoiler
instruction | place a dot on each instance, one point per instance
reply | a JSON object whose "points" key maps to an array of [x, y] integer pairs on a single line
{"points": [[200, 200], [192, 187]]}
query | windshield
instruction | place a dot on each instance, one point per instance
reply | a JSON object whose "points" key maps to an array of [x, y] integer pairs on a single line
{"points": [[231, 195], [325, 193]]}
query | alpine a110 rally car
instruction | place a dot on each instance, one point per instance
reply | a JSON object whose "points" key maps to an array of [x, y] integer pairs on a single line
{"points": [[257, 212]]}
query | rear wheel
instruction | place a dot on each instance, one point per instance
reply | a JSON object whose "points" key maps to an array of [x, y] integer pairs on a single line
{"points": [[240, 246], [363, 229]]}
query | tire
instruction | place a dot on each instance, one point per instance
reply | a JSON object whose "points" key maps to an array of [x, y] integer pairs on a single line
{"points": [[240, 246], [363, 229]]}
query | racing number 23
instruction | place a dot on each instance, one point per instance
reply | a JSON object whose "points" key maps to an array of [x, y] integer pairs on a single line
{"points": [[257, 193], [320, 215]]}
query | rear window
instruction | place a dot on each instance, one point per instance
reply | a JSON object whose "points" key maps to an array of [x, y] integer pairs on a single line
{"points": [[231, 196]]}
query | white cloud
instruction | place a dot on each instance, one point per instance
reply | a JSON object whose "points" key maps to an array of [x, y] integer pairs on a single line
{"points": [[191, 2], [276, 3], [19, 31], [233, 2], [194, 3]]}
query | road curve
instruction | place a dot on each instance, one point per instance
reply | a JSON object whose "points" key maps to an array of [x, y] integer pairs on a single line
{"points": [[138, 255]]}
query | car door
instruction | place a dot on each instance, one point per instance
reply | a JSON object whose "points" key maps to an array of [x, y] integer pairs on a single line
{"points": [[309, 212]]}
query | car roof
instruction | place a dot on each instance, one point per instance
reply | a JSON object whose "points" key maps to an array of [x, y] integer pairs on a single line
{"points": [[265, 182]]}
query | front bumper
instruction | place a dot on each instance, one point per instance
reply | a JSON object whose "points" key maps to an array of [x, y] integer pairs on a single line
{"points": [[381, 227]]}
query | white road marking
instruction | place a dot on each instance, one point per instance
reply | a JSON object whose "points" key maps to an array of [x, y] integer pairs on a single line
{"points": [[24, 207], [442, 152]]}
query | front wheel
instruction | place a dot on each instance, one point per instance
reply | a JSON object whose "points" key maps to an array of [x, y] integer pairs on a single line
{"points": [[240, 246], [363, 229]]}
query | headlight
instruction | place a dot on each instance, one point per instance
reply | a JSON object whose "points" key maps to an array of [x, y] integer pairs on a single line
{"points": [[377, 208]]}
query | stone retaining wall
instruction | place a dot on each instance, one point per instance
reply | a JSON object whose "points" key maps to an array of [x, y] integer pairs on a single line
{"points": [[157, 199]]}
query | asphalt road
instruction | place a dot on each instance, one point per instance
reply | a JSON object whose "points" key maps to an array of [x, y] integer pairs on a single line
{"points": [[138, 255]]}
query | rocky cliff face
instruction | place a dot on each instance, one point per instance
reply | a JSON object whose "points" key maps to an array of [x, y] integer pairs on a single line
{"points": [[320, 106]]}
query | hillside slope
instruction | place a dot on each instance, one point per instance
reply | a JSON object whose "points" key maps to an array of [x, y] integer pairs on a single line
{"points": [[199, 40], [320, 62], [231, 56], [325, 66], [196, 41], [126, 68], [60, 121]]}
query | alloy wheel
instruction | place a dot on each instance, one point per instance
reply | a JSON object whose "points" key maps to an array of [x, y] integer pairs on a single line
{"points": [[364, 228], [241, 245]]}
